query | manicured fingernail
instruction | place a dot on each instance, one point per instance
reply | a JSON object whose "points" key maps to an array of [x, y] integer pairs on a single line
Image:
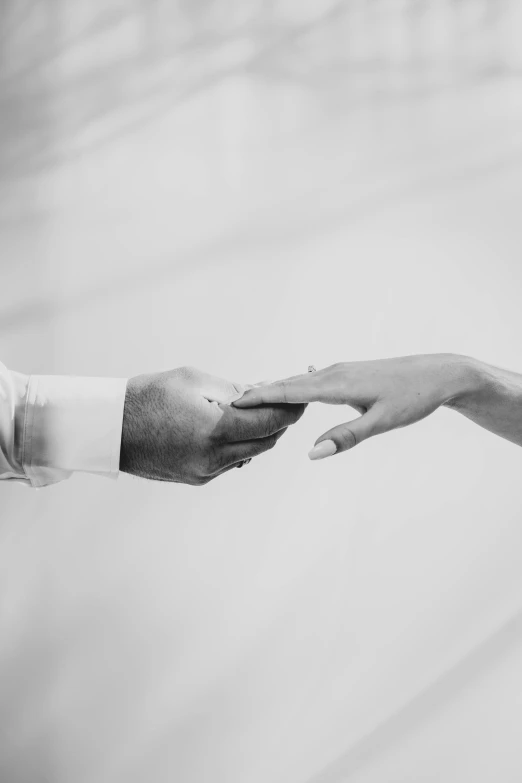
{"points": [[324, 449]]}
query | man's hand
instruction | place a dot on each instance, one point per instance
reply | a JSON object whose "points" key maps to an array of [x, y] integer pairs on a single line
{"points": [[178, 426]]}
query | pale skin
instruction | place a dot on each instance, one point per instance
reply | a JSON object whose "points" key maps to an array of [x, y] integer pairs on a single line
{"points": [[393, 393]]}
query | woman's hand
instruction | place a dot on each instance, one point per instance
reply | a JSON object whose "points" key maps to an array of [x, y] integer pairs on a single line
{"points": [[388, 394]]}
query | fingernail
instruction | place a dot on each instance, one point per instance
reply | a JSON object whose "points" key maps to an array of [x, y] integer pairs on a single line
{"points": [[324, 449], [238, 401]]}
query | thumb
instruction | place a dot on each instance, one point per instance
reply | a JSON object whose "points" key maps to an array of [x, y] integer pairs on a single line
{"points": [[241, 389], [346, 436]]}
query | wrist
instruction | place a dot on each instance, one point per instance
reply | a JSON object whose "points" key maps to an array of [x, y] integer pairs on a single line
{"points": [[129, 435], [466, 378]]}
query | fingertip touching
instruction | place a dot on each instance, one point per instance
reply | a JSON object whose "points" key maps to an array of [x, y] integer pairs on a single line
{"points": [[249, 399]]}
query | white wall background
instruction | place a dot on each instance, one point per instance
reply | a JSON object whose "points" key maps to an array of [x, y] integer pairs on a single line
{"points": [[251, 188]]}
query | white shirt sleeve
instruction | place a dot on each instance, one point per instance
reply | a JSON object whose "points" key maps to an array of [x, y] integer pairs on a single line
{"points": [[52, 426]]}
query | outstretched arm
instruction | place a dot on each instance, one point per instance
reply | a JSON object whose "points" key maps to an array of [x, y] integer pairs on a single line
{"points": [[170, 426], [392, 393]]}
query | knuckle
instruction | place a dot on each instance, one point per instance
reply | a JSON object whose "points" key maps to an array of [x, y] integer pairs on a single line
{"points": [[264, 425], [238, 429], [280, 433], [200, 481], [338, 369], [207, 465], [207, 458], [297, 411], [283, 387], [347, 438], [187, 373], [271, 442], [217, 460], [273, 421]]}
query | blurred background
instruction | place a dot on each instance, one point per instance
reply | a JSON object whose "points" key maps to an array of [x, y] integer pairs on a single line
{"points": [[251, 187]]}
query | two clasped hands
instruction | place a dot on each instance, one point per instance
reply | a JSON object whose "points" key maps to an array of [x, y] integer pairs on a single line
{"points": [[190, 427]]}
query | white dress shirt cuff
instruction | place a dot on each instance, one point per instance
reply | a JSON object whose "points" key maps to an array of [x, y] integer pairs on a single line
{"points": [[71, 424]]}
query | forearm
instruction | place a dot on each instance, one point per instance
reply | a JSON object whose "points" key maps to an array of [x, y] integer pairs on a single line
{"points": [[491, 397]]}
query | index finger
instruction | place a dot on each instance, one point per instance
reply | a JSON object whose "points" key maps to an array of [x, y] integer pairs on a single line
{"points": [[241, 425], [298, 389]]}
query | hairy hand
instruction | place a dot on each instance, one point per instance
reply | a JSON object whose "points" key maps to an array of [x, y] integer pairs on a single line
{"points": [[178, 426]]}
